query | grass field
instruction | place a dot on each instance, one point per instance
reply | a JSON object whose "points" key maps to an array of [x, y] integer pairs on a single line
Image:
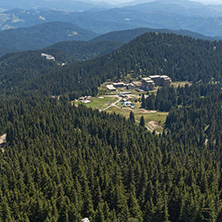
{"points": [[101, 102], [154, 120], [149, 116]]}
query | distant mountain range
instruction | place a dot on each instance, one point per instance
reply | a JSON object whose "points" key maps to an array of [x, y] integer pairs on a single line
{"points": [[169, 14], [61, 33], [70, 5], [128, 35], [73, 40]]}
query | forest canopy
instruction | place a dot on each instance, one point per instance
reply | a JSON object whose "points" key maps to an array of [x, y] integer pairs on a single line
{"points": [[181, 58], [64, 163]]}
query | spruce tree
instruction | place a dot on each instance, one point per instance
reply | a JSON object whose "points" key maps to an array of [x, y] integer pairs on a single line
{"points": [[142, 121]]}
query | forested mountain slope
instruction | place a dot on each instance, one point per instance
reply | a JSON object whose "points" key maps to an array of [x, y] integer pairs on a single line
{"points": [[47, 34], [87, 50], [40, 36], [64, 163], [182, 58], [16, 68], [129, 35]]}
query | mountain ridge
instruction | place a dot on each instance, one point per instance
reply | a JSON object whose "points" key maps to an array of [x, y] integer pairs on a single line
{"points": [[41, 36], [48, 34], [181, 58], [186, 15]]}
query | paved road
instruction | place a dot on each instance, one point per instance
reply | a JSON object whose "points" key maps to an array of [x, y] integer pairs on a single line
{"points": [[112, 104]]}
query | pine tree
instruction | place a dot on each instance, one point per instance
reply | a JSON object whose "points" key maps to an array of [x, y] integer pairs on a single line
{"points": [[99, 215], [132, 118], [142, 121], [143, 104]]}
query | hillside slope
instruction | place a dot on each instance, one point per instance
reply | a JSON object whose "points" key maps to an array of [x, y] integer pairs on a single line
{"points": [[17, 68], [129, 35], [87, 50], [65, 163], [181, 58], [40, 36]]}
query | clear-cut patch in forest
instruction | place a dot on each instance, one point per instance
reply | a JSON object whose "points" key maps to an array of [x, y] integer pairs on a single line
{"points": [[154, 125]]}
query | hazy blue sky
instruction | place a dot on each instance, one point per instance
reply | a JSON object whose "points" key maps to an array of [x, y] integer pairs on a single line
{"points": [[210, 1], [202, 1]]}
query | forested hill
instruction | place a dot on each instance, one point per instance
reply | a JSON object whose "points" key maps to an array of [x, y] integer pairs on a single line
{"points": [[182, 58], [40, 36], [83, 50], [44, 35], [64, 163], [17, 68], [128, 35]]}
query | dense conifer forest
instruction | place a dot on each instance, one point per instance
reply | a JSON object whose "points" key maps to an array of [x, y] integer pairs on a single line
{"points": [[181, 58], [64, 163], [18, 68], [87, 50]]}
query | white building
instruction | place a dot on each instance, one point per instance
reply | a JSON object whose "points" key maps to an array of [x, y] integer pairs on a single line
{"points": [[111, 87]]}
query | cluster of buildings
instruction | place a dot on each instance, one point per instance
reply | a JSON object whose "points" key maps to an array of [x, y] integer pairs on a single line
{"points": [[150, 82], [145, 84], [125, 100], [112, 87]]}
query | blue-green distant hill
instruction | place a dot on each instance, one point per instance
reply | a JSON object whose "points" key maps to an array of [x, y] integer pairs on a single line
{"points": [[41, 36], [159, 14], [128, 35], [75, 41]]}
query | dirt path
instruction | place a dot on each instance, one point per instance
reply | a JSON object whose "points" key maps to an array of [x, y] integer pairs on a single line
{"points": [[112, 104]]}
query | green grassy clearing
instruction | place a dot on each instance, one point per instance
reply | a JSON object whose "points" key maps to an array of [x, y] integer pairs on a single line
{"points": [[159, 117], [122, 111], [101, 103]]}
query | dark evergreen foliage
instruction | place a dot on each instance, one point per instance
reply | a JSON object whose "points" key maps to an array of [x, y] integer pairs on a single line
{"points": [[64, 163], [182, 58], [169, 97], [87, 50]]}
